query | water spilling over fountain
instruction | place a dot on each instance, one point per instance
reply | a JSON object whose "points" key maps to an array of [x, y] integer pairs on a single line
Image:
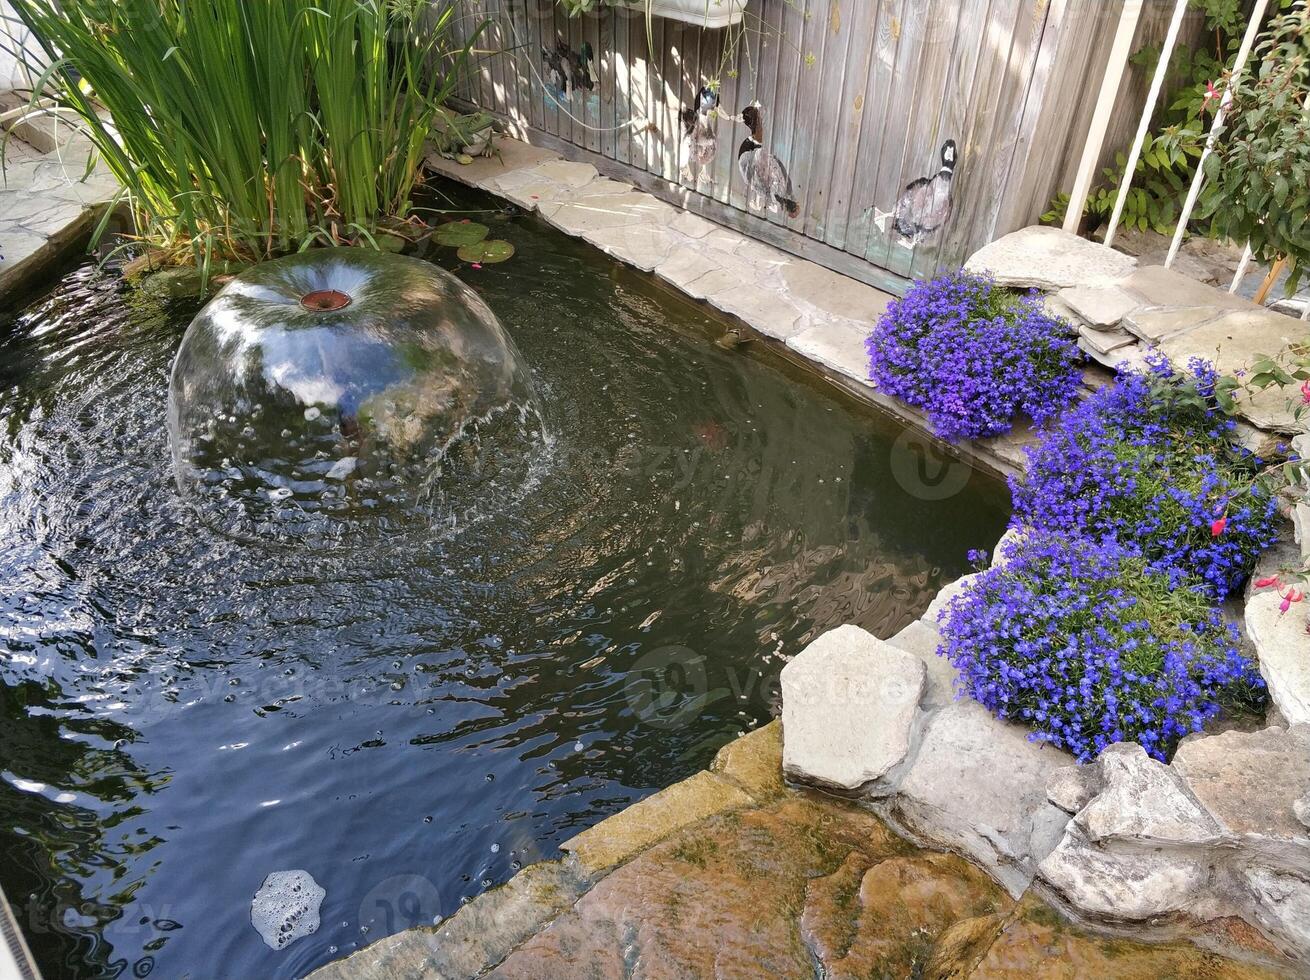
{"points": [[342, 390]]}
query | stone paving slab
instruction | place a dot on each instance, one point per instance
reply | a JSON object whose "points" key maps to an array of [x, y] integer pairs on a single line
{"points": [[46, 207]]}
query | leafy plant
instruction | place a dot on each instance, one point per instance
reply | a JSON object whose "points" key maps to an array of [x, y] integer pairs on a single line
{"points": [[1146, 462], [1260, 168], [247, 129], [1081, 641], [973, 355], [1170, 154]]}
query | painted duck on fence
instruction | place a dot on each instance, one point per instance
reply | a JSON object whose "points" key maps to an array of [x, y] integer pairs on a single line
{"points": [[925, 204], [699, 141], [568, 70], [767, 183]]}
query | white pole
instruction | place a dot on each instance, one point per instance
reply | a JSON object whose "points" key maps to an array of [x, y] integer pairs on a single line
{"points": [[1248, 40], [1114, 73], [1240, 274], [1161, 70]]}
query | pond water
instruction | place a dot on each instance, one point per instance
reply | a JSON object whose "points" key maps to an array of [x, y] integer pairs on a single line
{"points": [[183, 713]]}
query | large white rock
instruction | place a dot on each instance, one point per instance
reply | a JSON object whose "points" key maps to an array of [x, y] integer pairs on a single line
{"points": [[978, 786], [1280, 902], [1281, 642], [1142, 800], [1114, 882], [848, 701], [1050, 259], [1251, 783]]}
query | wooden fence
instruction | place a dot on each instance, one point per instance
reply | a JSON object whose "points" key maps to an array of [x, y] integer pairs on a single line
{"points": [[858, 98]]}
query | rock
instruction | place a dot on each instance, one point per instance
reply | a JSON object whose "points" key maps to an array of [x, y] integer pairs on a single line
{"points": [[1072, 787], [511, 155], [1158, 286], [796, 889], [754, 762], [1142, 800], [1155, 324], [1100, 308], [942, 600], [567, 172], [1251, 783], [1120, 883], [1301, 808], [478, 936], [1050, 259], [1107, 350], [848, 700], [691, 225], [641, 246], [1280, 903], [766, 311], [834, 293], [921, 639], [1037, 943], [1005, 547], [978, 786], [1058, 308], [836, 345], [1104, 341], [629, 831], [172, 283], [1280, 642]]}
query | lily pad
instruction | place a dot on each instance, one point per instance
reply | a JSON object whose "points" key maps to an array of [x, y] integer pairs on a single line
{"points": [[460, 233], [493, 250]]}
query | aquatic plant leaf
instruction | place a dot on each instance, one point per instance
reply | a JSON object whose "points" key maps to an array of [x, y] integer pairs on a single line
{"points": [[494, 250], [460, 233]]}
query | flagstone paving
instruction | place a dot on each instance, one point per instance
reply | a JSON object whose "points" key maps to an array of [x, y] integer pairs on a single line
{"points": [[46, 207]]}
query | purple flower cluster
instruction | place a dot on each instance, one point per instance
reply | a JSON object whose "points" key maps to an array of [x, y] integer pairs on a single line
{"points": [[1081, 642], [1146, 462], [973, 355]]}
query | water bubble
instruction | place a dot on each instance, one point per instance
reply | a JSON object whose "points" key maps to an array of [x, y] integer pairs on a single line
{"points": [[286, 907]]}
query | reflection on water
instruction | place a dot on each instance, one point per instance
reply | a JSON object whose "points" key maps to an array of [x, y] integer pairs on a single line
{"points": [[183, 714]]}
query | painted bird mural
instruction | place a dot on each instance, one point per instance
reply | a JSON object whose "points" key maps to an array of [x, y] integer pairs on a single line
{"points": [[925, 204], [568, 70], [699, 141], [767, 183]]}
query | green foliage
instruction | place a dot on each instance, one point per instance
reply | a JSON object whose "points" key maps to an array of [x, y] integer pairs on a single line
{"points": [[459, 233], [488, 252], [1170, 154], [248, 129], [1260, 168]]}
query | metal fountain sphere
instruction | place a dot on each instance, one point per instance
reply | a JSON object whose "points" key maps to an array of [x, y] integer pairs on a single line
{"points": [[345, 386]]}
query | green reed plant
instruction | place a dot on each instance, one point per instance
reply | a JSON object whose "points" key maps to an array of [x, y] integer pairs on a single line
{"points": [[245, 129]]}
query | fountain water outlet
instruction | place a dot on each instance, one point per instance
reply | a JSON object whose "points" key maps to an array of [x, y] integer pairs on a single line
{"points": [[346, 388]]}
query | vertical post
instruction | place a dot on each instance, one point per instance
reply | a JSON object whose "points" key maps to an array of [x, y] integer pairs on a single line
{"points": [[1114, 73], [1244, 52], [1157, 82]]}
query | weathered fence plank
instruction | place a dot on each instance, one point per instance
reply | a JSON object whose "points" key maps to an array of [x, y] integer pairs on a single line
{"points": [[859, 98]]}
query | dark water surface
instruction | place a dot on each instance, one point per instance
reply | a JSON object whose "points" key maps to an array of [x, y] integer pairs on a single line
{"points": [[182, 714]]}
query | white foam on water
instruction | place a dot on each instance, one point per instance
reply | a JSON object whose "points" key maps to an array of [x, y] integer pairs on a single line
{"points": [[286, 907]]}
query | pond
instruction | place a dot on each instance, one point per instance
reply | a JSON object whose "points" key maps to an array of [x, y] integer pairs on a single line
{"points": [[184, 712]]}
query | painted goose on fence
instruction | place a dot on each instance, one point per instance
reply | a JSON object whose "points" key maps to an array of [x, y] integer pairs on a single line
{"points": [[699, 141], [767, 183], [925, 204]]}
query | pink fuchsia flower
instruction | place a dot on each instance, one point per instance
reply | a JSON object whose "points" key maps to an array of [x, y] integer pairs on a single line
{"points": [[1305, 392], [1210, 91], [1289, 597], [1264, 583], [477, 265], [1217, 527]]}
